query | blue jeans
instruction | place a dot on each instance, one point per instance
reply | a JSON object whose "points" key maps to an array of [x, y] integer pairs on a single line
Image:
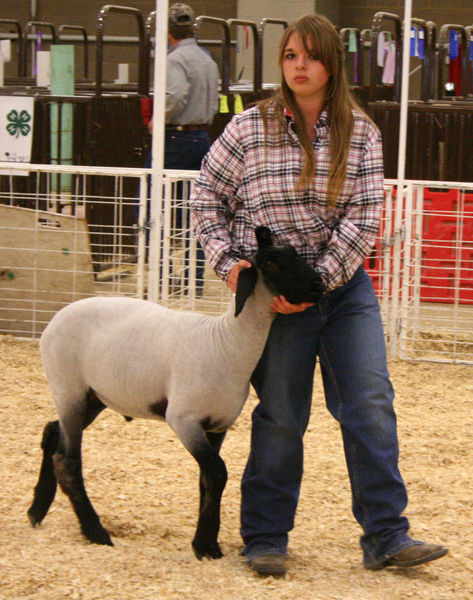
{"points": [[345, 332]]}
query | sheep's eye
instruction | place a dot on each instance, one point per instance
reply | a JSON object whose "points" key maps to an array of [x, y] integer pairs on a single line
{"points": [[268, 263]]}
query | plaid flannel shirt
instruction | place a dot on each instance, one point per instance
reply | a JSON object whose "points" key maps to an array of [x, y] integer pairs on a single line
{"points": [[247, 181]]}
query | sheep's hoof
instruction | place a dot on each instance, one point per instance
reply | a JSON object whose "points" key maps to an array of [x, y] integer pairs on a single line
{"points": [[211, 551], [100, 537], [36, 513], [34, 519]]}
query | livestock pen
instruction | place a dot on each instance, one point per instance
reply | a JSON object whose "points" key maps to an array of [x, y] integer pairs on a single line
{"points": [[99, 239], [54, 249]]}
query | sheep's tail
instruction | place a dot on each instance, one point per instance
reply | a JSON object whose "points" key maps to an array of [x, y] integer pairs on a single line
{"points": [[45, 489]]}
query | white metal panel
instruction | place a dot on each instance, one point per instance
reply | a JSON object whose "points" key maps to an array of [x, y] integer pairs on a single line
{"points": [[54, 250], [421, 266], [436, 314]]}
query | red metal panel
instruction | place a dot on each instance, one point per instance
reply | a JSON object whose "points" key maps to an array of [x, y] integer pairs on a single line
{"points": [[447, 250]]}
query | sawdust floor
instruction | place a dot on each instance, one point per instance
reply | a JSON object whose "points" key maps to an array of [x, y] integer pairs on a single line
{"points": [[144, 486]]}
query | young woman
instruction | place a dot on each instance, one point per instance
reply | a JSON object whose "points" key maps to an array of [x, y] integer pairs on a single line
{"points": [[308, 164]]}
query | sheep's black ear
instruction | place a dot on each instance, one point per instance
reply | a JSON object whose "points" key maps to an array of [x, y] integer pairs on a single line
{"points": [[245, 285], [263, 237]]}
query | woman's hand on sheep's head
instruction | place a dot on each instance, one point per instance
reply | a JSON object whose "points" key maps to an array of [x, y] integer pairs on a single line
{"points": [[232, 278], [281, 305]]}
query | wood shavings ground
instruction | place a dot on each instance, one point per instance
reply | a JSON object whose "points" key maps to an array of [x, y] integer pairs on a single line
{"points": [[144, 486]]}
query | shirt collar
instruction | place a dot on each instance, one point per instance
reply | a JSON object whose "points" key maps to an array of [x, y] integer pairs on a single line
{"points": [[322, 126], [180, 43]]}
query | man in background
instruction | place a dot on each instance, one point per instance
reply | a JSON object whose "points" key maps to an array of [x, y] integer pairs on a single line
{"points": [[191, 103]]}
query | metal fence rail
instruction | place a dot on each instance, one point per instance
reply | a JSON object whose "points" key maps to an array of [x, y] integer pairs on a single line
{"points": [[185, 281], [435, 316], [56, 247], [99, 239]]}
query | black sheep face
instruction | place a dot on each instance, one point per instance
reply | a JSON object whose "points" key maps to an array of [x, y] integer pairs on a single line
{"points": [[285, 271], [289, 275]]}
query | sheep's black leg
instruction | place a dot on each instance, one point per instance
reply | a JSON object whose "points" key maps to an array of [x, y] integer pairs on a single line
{"points": [[68, 469], [213, 478], [216, 441], [45, 489], [62, 464]]}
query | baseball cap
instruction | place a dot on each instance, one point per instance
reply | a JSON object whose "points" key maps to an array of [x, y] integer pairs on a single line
{"points": [[180, 14]]}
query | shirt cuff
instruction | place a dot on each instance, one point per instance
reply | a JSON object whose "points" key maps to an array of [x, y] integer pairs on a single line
{"points": [[224, 266]]}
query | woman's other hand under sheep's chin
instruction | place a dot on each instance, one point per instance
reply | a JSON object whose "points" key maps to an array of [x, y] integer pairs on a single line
{"points": [[281, 305], [232, 279]]}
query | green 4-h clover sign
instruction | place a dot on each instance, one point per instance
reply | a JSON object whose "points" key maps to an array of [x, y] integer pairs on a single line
{"points": [[18, 123]]}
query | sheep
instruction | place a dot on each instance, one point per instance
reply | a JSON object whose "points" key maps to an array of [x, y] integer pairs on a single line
{"points": [[145, 360]]}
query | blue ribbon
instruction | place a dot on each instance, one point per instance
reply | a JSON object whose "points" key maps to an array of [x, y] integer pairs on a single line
{"points": [[413, 50], [453, 45]]}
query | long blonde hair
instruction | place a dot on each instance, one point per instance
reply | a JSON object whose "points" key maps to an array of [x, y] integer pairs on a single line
{"points": [[320, 38]]}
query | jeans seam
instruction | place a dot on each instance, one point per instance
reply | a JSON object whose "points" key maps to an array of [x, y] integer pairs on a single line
{"points": [[327, 364], [352, 450], [356, 485]]}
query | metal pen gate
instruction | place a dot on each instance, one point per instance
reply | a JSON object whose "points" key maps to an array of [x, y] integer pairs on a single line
{"points": [[421, 265], [434, 308]]}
